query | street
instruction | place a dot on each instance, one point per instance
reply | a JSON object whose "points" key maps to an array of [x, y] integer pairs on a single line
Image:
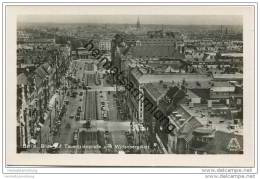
{"points": [[91, 122]]}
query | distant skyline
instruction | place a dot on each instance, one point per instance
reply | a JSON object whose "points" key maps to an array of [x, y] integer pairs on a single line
{"points": [[132, 19]]}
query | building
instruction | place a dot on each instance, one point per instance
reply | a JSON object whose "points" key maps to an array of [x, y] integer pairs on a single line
{"points": [[34, 92], [160, 99], [139, 77], [138, 24], [82, 53], [36, 42], [228, 77], [156, 52], [156, 42], [105, 44], [197, 129], [207, 140], [189, 112]]}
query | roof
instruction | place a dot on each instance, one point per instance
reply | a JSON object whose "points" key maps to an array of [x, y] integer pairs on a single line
{"points": [[156, 51], [191, 94], [142, 76], [232, 54], [172, 91], [170, 68], [236, 76], [136, 73], [204, 130], [81, 48], [171, 99], [156, 90], [188, 127], [224, 140], [223, 89], [46, 67], [41, 73], [224, 143], [203, 115], [174, 77], [198, 84]]}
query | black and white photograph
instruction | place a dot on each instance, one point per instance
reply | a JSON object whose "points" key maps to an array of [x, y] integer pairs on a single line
{"points": [[146, 86], [130, 84]]}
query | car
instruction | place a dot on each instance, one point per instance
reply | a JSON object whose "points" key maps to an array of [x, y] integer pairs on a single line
{"points": [[81, 93], [86, 87]]}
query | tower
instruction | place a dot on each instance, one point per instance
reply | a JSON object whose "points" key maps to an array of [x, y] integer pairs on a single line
{"points": [[138, 25], [226, 32]]}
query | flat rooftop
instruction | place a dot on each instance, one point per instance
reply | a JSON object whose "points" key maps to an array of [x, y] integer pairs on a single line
{"points": [[202, 113], [151, 78], [156, 90]]}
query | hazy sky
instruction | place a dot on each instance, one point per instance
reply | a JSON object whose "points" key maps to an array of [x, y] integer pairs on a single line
{"points": [[131, 19]]}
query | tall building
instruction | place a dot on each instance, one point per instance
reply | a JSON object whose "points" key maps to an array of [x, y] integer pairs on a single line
{"points": [[138, 25]]}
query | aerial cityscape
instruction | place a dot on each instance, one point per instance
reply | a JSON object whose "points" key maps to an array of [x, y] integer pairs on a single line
{"points": [[129, 88]]}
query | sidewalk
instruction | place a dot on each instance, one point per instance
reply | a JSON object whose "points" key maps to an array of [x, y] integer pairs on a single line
{"points": [[46, 136]]}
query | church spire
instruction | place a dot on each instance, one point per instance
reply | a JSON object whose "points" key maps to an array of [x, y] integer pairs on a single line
{"points": [[138, 25]]}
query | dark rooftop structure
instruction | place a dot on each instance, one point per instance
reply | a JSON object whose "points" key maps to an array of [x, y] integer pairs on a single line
{"points": [[156, 51]]}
